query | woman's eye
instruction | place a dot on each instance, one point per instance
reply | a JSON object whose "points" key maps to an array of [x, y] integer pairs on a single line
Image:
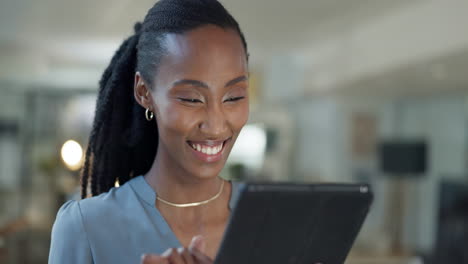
{"points": [[233, 99], [190, 100]]}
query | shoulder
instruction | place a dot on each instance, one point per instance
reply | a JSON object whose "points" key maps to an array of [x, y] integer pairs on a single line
{"points": [[75, 213], [69, 240], [68, 218], [108, 205], [105, 201], [84, 228]]}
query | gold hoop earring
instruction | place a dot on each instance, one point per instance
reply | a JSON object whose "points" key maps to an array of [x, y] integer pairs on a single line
{"points": [[149, 114]]}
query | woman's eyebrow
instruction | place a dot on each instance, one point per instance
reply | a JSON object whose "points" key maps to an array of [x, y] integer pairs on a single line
{"points": [[236, 80], [204, 85], [190, 82]]}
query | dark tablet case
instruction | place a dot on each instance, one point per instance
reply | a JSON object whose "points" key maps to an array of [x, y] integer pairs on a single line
{"points": [[294, 224]]}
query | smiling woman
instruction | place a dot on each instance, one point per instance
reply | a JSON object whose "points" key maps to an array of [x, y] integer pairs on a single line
{"points": [[199, 99], [164, 141]]}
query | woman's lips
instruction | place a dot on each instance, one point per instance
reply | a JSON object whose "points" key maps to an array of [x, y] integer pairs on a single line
{"points": [[208, 151]]}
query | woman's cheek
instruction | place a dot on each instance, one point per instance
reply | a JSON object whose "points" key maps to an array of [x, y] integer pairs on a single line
{"points": [[241, 115], [180, 119]]}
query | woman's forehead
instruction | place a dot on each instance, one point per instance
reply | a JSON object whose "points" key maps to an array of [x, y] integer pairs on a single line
{"points": [[203, 52], [204, 43]]}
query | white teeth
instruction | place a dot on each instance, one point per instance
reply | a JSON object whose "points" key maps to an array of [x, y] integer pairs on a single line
{"points": [[207, 150]]}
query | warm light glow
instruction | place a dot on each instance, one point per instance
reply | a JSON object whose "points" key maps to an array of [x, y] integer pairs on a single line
{"points": [[72, 154]]}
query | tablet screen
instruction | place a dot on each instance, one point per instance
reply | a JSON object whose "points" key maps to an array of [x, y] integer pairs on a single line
{"points": [[290, 223]]}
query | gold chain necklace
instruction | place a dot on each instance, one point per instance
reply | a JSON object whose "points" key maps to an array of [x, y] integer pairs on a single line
{"points": [[193, 204]]}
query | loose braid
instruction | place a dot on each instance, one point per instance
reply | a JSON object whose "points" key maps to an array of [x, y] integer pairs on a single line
{"points": [[122, 143]]}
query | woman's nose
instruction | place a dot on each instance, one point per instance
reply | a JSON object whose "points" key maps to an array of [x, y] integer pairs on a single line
{"points": [[214, 125]]}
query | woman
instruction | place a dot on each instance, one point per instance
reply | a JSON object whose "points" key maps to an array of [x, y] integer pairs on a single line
{"points": [[170, 107]]}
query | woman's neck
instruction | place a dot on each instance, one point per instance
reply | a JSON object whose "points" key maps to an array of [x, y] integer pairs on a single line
{"points": [[176, 185]]}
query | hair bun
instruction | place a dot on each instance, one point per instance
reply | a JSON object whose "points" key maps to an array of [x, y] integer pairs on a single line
{"points": [[137, 27]]}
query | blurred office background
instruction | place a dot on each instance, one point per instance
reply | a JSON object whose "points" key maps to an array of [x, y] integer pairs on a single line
{"points": [[336, 85]]}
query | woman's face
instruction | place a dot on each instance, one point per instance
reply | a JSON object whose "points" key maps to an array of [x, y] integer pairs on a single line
{"points": [[200, 99]]}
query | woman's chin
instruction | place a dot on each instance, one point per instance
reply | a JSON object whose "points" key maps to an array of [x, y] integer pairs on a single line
{"points": [[207, 172]]}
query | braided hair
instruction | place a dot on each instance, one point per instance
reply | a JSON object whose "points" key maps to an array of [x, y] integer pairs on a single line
{"points": [[122, 143]]}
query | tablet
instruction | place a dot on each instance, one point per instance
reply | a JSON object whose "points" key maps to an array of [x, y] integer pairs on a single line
{"points": [[277, 223]]}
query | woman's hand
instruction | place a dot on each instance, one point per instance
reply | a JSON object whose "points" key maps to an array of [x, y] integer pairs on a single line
{"points": [[191, 255]]}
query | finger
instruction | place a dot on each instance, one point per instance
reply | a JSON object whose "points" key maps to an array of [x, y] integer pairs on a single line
{"points": [[198, 242], [153, 259], [167, 253], [174, 257], [200, 257], [186, 255]]}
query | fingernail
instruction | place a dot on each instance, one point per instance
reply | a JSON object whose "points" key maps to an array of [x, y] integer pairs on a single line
{"points": [[197, 238], [198, 242]]}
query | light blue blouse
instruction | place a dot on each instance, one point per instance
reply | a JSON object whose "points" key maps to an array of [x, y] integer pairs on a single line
{"points": [[115, 227]]}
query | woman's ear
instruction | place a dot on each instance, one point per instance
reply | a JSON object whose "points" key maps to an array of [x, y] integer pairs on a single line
{"points": [[142, 92]]}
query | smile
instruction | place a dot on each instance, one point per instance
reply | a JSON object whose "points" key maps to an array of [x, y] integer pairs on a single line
{"points": [[209, 150]]}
